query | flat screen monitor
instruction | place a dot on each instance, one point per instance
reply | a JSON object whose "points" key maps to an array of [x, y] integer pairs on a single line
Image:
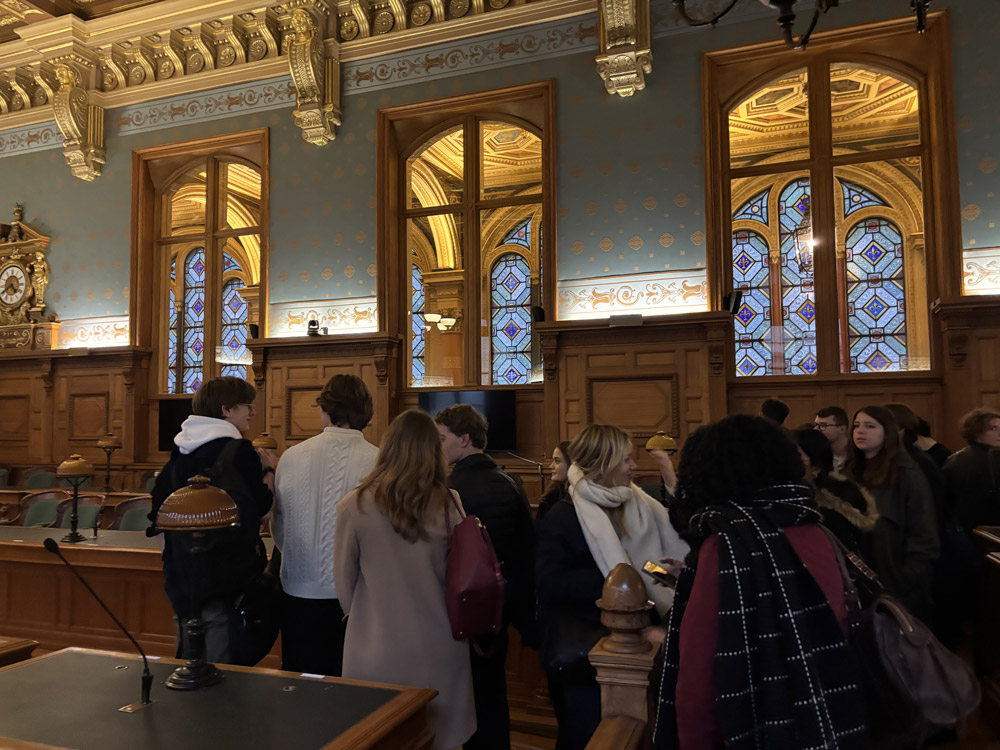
{"points": [[499, 408], [173, 412]]}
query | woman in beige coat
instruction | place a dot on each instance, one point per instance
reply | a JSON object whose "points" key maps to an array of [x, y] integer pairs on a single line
{"points": [[389, 566]]}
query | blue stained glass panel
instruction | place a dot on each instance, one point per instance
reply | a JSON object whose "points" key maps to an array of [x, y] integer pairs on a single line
{"points": [[753, 318], [173, 344], [755, 208], [798, 300], [519, 235], [510, 317], [193, 318], [235, 314], [418, 332], [229, 263], [876, 297], [857, 197]]}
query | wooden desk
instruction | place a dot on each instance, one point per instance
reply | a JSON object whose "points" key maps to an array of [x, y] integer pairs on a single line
{"points": [[13, 650], [70, 699]]}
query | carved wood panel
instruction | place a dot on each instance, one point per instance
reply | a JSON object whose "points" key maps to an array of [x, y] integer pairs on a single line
{"points": [[88, 415], [15, 413], [641, 406]]}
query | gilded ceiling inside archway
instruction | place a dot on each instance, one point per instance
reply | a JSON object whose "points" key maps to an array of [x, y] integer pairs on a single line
{"points": [[870, 109]]}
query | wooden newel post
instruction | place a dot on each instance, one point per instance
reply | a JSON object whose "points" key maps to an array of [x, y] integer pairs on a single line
{"points": [[624, 659]]}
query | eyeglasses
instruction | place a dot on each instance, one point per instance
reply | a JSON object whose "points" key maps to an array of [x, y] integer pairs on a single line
{"points": [[250, 407], [824, 425]]}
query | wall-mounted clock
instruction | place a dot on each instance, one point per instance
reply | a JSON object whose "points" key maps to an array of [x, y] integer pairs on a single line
{"points": [[14, 285]]}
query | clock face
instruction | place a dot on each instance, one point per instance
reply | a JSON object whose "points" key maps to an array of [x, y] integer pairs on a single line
{"points": [[13, 285]]}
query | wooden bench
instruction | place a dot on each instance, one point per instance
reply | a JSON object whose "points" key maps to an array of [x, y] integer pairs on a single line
{"points": [[13, 650]]}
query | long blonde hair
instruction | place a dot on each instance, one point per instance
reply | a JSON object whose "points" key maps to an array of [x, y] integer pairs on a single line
{"points": [[410, 480], [598, 451]]}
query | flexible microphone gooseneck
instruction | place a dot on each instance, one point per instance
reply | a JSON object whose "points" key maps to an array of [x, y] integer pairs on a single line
{"points": [[147, 676], [540, 466]]}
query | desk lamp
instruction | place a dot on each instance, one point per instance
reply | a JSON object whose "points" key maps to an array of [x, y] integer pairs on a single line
{"points": [[109, 444], [76, 471], [192, 511], [661, 441], [265, 441]]}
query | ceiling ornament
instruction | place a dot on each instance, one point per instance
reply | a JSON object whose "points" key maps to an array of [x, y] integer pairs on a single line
{"points": [[786, 17], [81, 124], [624, 57], [316, 77]]}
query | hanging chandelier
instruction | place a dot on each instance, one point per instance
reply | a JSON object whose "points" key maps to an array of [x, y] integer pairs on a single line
{"points": [[786, 17]]}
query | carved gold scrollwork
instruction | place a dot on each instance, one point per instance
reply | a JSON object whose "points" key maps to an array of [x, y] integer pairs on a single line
{"points": [[19, 87], [195, 44], [81, 124], [229, 43], [624, 57], [136, 62], [437, 7], [46, 83], [362, 16], [165, 52], [260, 30], [316, 78], [111, 68], [398, 8]]}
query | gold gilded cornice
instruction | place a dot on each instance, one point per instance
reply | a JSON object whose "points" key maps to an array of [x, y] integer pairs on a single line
{"points": [[624, 57]]}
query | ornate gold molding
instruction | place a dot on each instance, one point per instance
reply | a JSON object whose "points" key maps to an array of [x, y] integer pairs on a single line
{"points": [[625, 56], [316, 78], [81, 124]]}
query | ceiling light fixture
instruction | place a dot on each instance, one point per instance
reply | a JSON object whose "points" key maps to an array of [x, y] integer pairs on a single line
{"points": [[786, 17]]}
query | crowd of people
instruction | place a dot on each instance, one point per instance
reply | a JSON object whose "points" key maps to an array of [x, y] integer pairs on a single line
{"points": [[754, 635]]}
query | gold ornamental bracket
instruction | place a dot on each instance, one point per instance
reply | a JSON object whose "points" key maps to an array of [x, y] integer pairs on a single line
{"points": [[315, 69], [625, 57], [81, 124]]}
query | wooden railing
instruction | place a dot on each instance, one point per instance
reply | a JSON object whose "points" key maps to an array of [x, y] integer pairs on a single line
{"points": [[623, 660]]}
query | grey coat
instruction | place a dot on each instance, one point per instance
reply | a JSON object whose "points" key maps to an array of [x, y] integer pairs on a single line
{"points": [[398, 631], [904, 545]]}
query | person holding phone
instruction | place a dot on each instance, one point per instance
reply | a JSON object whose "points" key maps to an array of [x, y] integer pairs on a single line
{"points": [[756, 643], [608, 521]]}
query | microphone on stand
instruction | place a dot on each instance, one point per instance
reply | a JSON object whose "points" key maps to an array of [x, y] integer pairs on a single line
{"points": [[538, 464], [147, 677]]}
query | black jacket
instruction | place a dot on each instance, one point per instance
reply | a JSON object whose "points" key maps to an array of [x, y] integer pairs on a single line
{"points": [[232, 557], [974, 486], [501, 505]]}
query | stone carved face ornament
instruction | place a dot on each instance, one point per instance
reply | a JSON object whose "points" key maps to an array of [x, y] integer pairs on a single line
{"points": [[66, 76], [303, 25]]}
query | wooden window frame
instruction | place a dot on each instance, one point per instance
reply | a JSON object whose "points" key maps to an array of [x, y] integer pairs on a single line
{"points": [[151, 169], [733, 74], [401, 129]]}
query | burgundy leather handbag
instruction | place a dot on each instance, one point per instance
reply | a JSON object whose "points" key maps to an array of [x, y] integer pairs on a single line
{"points": [[474, 584]]}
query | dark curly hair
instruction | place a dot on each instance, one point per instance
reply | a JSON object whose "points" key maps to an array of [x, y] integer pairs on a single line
{"points": [[734, 459], [817, 448]]}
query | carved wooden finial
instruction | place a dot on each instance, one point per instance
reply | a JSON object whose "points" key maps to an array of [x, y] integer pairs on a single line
{"points": [[625, 606]]}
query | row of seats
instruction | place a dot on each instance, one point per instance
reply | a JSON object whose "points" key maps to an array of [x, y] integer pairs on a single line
{"points": [[53, 508], [38, 479]]}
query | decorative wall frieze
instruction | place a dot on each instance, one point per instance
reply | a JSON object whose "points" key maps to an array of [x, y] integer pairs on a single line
{"points": [[81, 124], [350, 315], [93, 333], [660, 293], [625, 57], [981, 271]]}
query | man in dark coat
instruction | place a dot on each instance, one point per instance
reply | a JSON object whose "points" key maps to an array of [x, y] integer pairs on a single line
{"points": [[500, 504]]}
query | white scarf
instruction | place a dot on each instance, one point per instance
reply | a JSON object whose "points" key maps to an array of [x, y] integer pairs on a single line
{"points": [[650, 533]]}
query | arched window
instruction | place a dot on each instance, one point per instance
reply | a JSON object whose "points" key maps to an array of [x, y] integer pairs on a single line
{"points": [[824, 171], [213, 261], [510, 315], [473, 193]]}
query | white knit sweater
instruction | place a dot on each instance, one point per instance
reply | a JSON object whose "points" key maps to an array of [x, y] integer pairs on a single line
{"points": [[311, 479]]}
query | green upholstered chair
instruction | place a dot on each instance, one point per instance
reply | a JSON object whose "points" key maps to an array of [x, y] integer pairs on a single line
{"points": [[40, 508], [41, 480], [131, 514], [88, 511], [4, 476]]}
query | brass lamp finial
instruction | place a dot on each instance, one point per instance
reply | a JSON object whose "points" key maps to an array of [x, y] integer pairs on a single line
{"points": [[75, 466]]}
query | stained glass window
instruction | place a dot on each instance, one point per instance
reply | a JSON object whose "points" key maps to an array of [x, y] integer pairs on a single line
{"points": [[229, 263], [193, 321], [172, 339], [755, 208], [418, 332], [510, 320], [519, 235], [798, 301], [876, 306], [857, 197], [234, 327], [753, 318]]}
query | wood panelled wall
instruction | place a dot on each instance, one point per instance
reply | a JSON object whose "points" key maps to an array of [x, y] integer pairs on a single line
{"points": [[669, 374]]}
